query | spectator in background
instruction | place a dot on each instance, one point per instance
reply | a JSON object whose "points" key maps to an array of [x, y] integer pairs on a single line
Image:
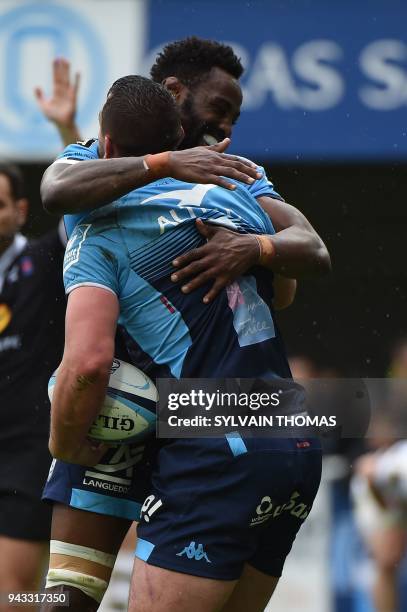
{"points": [[379, 486], [32, 310], [60, 107], [380, 497]]}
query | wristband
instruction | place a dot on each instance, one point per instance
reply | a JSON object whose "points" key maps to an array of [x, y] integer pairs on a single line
{"points": [[157, 165], [267, 250]]}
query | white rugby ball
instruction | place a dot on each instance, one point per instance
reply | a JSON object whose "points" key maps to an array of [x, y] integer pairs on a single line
{"points": [[129, 411]]}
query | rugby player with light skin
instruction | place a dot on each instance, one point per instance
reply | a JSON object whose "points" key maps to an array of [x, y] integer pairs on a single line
{"points": [[203, 77], [92, 314], [87, 528]]}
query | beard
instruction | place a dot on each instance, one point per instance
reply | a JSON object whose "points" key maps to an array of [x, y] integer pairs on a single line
{"points": [[197, 131]]}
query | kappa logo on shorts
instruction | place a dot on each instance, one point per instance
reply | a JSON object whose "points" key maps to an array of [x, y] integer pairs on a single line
{"points": [[194, 552], [267, 509]]}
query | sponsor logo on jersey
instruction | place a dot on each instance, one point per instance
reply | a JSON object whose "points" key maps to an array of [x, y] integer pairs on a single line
{"points": [[151, 505], [267, 509], [5, 317], [194, 551], [252, 318]]}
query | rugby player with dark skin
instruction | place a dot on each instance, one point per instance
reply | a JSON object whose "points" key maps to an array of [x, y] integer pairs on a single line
{"points": [[210, 98], [210, 105]]}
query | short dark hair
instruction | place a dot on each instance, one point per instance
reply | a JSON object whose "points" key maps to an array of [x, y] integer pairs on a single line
{"points": [[15, 178], [140, 116], [192, 58]]}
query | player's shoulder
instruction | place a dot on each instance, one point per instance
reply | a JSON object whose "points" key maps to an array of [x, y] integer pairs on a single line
{"points": [[262, 186], [246, 159], [159, 189], [80, 151]]}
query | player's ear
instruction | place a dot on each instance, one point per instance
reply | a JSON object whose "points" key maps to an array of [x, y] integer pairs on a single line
{"points": [[176, 88], [109, 147], [22, 211], [181, 136]]}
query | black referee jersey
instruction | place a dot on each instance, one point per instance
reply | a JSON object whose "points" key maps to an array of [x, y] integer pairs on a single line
{"points": [[32, 311]]}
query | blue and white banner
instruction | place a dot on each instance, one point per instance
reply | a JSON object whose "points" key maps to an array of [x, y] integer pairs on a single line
{"points": [[324, 81], [103, 40]]}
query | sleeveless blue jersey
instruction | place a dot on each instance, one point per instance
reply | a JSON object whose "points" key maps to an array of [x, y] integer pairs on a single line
{"points": [[127, 247]]}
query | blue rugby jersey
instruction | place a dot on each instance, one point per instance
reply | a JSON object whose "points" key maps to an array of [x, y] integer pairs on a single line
{"points": [[89, 151], [127, 247]]}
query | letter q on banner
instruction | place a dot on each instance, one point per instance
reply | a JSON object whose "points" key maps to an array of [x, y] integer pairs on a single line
{"points": [[102, 40]]}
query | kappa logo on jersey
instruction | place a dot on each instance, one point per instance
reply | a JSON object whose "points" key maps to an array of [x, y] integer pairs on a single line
{"points": [[267, 509], [86, 143], [5, 317], [116, 474], [194, 552], [150, 506], [73, 248]]}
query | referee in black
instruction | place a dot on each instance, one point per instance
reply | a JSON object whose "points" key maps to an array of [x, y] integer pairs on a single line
{"points": [[32, 310]]}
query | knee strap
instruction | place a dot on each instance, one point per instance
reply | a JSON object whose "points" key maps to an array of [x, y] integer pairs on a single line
{"points": [[86, 569]]}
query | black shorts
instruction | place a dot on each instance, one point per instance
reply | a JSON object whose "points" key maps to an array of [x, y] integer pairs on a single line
{"points": [[24, 466]]}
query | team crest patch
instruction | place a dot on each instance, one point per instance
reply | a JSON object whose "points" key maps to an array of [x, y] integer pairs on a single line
{"points": [[73, 248], [27, 266]]}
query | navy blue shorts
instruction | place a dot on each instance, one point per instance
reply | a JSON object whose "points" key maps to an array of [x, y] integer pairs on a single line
{"points": [[117, 486], [216, 504]]}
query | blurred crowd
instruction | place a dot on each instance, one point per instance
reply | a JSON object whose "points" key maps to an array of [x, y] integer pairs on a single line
{"points": [[369, 494]]}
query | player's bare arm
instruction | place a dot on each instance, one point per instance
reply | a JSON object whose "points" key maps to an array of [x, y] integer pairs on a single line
{"points": [[295, 251], [74, 187], [83, 374], [60, 108], [226, 256], [285, 290]]}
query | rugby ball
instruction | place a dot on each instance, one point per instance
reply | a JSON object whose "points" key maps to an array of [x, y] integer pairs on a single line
{"points": [[128, 414]]}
